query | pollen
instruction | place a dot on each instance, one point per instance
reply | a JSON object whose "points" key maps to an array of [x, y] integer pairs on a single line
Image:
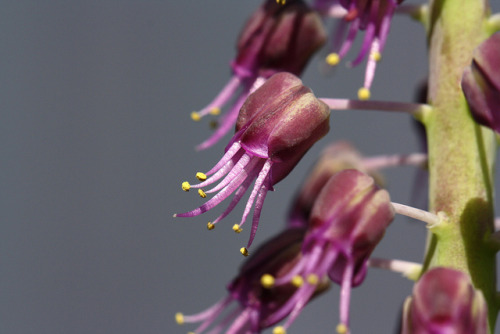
{"points": [[201, 176], [202, 193], [185, 186], [279, 330], [215, 111], [363, 93], [210, 226], [267, 281], [297, 281], [179, 318], [376, 56], [341, 329], [332, 59], [195, 116], [237, 228], [312, 279], [244, 251]]}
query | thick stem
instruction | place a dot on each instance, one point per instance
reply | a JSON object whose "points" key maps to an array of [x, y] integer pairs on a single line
{"points": [[461, 153]]}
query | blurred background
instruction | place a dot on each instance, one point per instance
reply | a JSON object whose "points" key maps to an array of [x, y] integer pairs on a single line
{"points": [[96, 138]]}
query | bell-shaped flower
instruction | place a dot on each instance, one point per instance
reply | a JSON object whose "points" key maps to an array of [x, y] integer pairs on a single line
{"points": [[445, 302], [276, 38], [372, 17], [277, 124], [481, 83], [348, 220], [252, 298]]}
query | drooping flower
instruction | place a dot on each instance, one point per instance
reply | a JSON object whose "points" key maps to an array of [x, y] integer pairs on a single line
{"points": [[251, 290], [445, 302], [481, 83], [276, 126], [348, 220], [276, 38], [371, 16]]}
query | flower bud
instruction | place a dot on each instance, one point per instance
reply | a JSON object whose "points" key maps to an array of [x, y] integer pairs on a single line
{"points": [[277, 124], [445, 302], [481, 83]]}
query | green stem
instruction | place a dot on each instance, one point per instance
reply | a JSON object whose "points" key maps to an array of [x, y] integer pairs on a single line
{"points": [[461, 153]]}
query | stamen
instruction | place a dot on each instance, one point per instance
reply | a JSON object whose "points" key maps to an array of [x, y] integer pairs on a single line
{"points": [[279, 329], [410, 270], [195, 116], [332, 59], [346, 104], [377, 56], [237, 228], [200, 176], [267, 281], [363, 94], [312, 279], [214, 111], [244, 251], [210, 226], [297, 281], [202, 193], [415, 213], [342, 329], [185, 186], [281, 2], [179, 318]]}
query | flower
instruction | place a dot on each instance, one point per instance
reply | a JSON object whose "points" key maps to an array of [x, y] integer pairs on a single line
{"points": [[252, 289], [276, 126], [348, 220], [481, 83], [445, 302], [276, 38], [374, 18]]}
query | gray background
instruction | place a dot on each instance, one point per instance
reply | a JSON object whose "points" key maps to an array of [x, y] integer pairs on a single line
{"points": [[95, 139]]}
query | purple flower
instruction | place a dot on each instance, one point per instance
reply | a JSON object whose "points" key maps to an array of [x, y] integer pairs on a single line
{"points": [[348, 220], [445, 302], [277, 124], [371, 16], [481, 83], [252, 290], [277, 38]]}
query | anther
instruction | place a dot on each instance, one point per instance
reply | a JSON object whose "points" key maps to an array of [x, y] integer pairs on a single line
{"points": [[376, 56], [186, 186], [210, 226], [215, 111], [279, 330], [201, 176], [267, 281], [244, 251], [195, 116], [341, 329], [297, 281], [179, 318], [312, 279], [363, 93], [237, 228], [332, 59], [281, 2], [202, 193]]}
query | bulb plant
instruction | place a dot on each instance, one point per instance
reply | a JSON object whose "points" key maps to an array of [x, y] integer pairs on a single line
{"points": [[341, 210]]}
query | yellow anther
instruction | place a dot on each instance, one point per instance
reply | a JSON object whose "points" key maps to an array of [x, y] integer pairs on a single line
{"points": [[297, 281], [342, 329], [312, 279], [200, 176], [332, 59], [237, 228], [179, 318], [279, 330], [363, 93], [210, 226], [281, 2], [267, 281], [186, 186], [376, 56], [215, 111], [195, 116], [244, 251], [202, 193], [191, 333]]}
